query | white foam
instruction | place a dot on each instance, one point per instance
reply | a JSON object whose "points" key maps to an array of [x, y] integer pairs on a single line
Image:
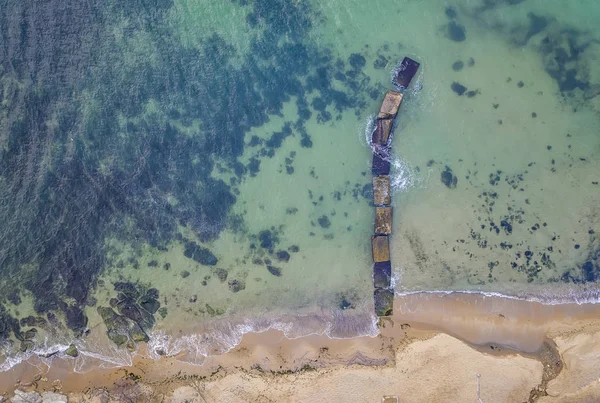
{"points": [[366, 131], [591, 296], [226, 335]]}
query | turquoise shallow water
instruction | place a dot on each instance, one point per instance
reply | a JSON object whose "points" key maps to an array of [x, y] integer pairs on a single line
{"points": [[203, 168]]}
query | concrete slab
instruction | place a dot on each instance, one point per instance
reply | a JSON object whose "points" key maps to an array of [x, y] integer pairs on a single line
{"points": [[390, 105], [383, 220], [381, 161], [383, 129], [382, 274], [406, 72], [381, 248], [382, 194], [384, 301]]}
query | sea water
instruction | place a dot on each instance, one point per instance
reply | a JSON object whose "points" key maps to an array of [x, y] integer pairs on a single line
{"points": [[209, 162]]}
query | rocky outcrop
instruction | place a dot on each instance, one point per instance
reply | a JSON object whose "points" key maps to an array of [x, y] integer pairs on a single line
{"points": [[121, 330], [51, 397], [26, 397], [72, 351], [135, 316]]}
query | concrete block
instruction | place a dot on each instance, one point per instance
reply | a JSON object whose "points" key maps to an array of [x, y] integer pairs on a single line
{"points": [[406, 72], [382, 274], [381, 248], [390, 105], [383, 129], [383, 220], [381, 161], [384, 301], [382, 194]]}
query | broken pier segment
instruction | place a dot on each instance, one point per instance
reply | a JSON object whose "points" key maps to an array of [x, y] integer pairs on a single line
{"points": [[383, 294], [407, 70]]}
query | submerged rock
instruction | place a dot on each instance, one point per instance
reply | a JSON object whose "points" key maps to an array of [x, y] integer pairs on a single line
{"points": [[456, 32], [458, 88], [450, 12], [121, 329], [130, 309], [237, 285], [30, 334], [324, 221], [149, 304], [72, 351], [199, 254], [76, 319], [458, 65], [221, 274], [276, 271], [283, 256], [267, 239], [345, 304], [26, 345], [126, 288]]}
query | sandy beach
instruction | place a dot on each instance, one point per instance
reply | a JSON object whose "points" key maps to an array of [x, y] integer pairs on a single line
{"points": [[436, 348]]}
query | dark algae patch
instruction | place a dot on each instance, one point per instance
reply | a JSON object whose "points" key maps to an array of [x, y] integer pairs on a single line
{"points": [[324, 221], [458, 88], [456, 32], [448, 178]]}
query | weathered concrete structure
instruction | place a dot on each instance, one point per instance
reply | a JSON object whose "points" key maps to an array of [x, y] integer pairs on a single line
{"points": [[381, 248], [382, 197], [383, 220]]}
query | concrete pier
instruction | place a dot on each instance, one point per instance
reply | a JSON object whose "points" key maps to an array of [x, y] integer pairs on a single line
{"points": [[382, 197]]}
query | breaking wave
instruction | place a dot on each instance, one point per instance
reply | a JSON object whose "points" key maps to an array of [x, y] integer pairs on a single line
{"points": [[212, 338]]}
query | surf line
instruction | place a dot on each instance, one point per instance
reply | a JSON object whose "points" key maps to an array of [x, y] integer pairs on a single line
{"points": [[382, 197]]}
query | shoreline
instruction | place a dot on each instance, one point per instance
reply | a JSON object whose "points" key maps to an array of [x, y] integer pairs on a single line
{"points": [[488, 326]]}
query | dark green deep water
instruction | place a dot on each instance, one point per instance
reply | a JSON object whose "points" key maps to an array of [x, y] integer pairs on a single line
{"points": [[138, 140]]}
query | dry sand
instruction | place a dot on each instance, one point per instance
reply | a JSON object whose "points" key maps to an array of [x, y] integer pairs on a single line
{"points": [[436, 348]]}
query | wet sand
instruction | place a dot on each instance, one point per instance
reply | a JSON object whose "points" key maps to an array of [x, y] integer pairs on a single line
{"points": [[436, 347]]}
